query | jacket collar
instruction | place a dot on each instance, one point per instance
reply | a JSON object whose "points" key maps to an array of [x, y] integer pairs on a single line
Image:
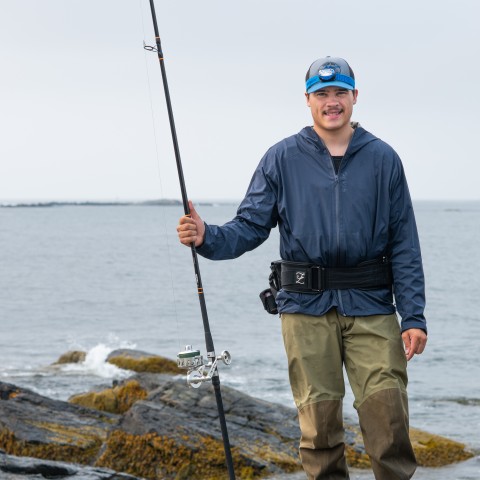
{"points": [[360, 138]]}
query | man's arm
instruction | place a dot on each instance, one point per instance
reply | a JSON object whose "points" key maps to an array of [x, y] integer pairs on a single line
{"points": [[405, 254], [256, 216]]}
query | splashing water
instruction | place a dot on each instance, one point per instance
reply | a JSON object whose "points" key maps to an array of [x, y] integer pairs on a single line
{"points": [[96, 364]]}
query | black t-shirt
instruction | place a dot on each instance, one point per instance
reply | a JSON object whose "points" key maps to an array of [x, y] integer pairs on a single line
{"points": [[336, 160]]}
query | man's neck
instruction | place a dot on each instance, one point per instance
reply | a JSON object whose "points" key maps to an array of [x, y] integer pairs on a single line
{"points": [[336, 141]]}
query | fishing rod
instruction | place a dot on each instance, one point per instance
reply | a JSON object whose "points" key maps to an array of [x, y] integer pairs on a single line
{"points": [[190, 359]]}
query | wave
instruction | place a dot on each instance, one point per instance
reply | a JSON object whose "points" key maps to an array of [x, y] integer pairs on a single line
{"points": [[96, 364]]}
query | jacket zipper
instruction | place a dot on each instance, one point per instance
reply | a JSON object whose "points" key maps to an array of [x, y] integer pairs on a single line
{"points": [[337, 216], [337, 211], [337, 224]]}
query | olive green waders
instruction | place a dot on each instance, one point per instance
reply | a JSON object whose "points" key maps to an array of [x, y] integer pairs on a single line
{"points": [[372, 351]]}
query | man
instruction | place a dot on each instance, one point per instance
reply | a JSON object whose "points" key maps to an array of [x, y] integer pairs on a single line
{"points": [[347, 239]]}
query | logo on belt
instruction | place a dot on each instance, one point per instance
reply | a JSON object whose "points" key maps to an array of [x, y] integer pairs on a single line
{"points": [[300, 278]]}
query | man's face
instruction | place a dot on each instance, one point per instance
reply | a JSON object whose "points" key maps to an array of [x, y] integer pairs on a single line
{"points": [[332, 108]]}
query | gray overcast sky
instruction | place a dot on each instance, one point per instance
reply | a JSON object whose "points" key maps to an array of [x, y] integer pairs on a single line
{"points": [[76, 107]]}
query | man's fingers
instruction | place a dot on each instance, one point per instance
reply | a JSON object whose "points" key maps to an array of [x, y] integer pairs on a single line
{"points": [[412, 349], [420, 345], [406, 341], [185, 220], [415, 341], [186, 223], [187, 230]]}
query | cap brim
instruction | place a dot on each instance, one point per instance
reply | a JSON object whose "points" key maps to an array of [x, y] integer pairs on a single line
{"points": [[319, 85]]}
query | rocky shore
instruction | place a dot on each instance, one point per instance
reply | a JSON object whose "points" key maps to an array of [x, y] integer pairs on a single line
{"points": [[153, 426]]}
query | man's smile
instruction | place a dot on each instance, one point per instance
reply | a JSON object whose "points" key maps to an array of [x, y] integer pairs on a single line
{"points": [[333, 113]]}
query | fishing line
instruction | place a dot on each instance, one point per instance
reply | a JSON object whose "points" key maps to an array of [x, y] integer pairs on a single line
{"points": [[159, 173]]}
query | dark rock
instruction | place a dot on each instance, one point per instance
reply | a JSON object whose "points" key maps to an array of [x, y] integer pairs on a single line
{"points": [[264, 436], [20, 467], [37, 426]]}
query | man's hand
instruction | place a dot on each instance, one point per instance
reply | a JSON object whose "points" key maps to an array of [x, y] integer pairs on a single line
{"points": [[191, 229], [415, 341]]}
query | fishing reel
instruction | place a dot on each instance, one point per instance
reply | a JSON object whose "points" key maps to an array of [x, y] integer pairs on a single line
{"points": [[198, 371]]}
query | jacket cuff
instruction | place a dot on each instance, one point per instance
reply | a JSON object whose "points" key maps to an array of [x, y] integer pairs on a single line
{"points": [[409, 323], [205, 249]]}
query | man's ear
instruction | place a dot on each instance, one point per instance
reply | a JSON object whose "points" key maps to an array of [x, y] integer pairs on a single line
{"points": [[355, 96], [307, 98]]}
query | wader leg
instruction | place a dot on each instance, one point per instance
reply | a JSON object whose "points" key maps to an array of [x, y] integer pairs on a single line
{"points": [[314, 351], [377, 368], [322, 448], [384, 423]]}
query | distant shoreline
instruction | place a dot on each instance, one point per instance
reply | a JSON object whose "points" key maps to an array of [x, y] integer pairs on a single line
{"points": [[148, 203]]}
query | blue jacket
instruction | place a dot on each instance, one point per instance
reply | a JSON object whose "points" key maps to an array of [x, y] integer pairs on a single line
{"points": [[359, 214]]}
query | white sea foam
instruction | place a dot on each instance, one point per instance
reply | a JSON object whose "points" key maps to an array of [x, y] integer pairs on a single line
{"points": [[95, 364]]}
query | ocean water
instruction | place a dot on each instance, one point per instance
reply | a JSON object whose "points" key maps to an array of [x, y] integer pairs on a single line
{"points": [[98, 278]]}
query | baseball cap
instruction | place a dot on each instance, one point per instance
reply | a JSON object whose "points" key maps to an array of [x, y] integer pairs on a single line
{"points": [[329, 72]]}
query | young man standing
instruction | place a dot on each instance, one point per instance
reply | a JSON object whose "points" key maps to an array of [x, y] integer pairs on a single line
{"points": [[348, 242]]}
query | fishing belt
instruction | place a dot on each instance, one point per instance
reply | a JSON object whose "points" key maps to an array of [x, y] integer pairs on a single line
{"points": [[309, 278]]}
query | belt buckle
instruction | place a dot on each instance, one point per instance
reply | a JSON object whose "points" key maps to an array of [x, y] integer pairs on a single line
{"points": [[320, 276]]}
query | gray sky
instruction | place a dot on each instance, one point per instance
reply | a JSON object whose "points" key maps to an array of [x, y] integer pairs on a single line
{"points": [[76, 106]]}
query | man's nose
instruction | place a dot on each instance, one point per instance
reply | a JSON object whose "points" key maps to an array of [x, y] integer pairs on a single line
{"points": [[332, 100]]}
